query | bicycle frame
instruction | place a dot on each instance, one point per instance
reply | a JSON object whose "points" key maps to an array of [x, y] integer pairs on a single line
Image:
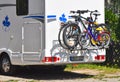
{"points": [[92, 35], [89, 28]]}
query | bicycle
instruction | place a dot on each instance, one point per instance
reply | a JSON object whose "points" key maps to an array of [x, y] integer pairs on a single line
{"points": [[73, 35], [98, 34], [60, 34]]}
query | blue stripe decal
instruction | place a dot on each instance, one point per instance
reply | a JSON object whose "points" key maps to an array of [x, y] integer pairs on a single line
{"points": [[36, 17], [51, 16], [41, 17]]}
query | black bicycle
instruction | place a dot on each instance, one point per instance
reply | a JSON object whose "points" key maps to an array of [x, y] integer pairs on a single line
{"points": [[71, 34]]}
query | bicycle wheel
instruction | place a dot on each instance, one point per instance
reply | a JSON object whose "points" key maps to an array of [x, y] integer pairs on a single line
{"points": [[104, 39], [70, 35], [84, 40], [60, 38]]}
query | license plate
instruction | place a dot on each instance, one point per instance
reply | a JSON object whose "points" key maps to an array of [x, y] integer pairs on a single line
{"points": [[76, 58]]}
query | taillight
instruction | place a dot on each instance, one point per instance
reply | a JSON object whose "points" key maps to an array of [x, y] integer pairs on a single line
{"points": [[100, 57], [51, 59]]}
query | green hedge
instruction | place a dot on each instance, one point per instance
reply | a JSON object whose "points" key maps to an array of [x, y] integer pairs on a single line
{"points": [[113, 53]]}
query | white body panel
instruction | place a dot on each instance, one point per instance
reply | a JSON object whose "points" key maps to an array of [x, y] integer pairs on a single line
{"points": [[59, 7], [30, 39]]}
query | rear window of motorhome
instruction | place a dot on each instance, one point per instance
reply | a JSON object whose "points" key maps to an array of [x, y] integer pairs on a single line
{"points": [[22, 7]]}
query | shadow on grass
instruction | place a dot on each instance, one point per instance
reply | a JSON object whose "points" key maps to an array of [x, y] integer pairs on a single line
{"points": [[47, 74]]}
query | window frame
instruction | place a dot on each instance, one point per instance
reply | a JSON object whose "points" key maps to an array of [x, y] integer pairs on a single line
{"points": [[22, 7]]}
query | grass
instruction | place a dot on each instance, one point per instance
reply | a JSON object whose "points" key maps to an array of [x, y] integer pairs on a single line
{"points": [[12, 81], [105, 69]]}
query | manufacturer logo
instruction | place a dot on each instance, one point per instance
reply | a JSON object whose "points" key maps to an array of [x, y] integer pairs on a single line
{"points": [[63, 18], [6, 24]]}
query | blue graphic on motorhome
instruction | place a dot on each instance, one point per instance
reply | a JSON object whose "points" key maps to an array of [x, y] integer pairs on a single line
{"points": [[63, 18], [6, 22]]}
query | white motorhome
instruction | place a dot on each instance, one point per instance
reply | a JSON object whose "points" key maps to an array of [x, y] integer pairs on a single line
{"points": [[29, 33]]}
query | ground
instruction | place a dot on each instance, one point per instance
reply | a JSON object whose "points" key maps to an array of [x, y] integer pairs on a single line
{"points": [[82, 75]]}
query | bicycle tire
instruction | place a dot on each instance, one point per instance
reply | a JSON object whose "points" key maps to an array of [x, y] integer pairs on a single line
{"points": [[104, 39], [60, 39], [75, 32], [100, 28]]}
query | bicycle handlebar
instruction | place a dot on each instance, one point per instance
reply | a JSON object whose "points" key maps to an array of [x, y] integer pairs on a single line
{"points": [[79, 11], [95, 12], [82, 11], [86, 11]]}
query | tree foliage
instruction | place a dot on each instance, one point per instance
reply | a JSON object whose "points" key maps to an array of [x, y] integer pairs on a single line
{"points": [[113, 53], [111, 20]]}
